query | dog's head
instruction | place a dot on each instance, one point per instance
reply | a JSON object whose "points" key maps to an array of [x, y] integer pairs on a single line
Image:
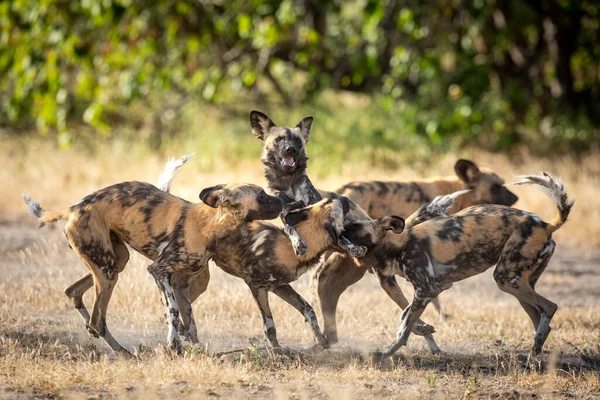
{"points": [[369, 232], [247, 202], [487, 187], [284, 148]]}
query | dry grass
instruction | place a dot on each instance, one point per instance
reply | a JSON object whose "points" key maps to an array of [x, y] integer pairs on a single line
{"points": [[45, 352]]}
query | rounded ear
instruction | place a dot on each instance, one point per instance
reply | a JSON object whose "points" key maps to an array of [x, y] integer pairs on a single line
{"points": [[304, 127], [260, 124], [392, 223], [467, 171], [214, 196]]}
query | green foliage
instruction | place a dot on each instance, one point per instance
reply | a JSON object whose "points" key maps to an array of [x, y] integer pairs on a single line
{"points": [[445, 72]]}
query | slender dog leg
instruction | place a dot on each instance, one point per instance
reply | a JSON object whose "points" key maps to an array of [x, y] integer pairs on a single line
{"points": [[352, 249], [163, 280], [390, 286], [261, 296], [510, 279], [75, 293], [409, 317], [338, 273], [182, 298], [297, 243], [287, 293]]}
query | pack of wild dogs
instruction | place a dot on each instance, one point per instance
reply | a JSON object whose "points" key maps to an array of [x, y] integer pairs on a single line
{"points": [[432, 232]]}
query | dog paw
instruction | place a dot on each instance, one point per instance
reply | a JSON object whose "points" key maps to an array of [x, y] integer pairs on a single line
{"points": [[92, 332], [175, 347], [300, 248], [423, 329], [357, 251]]}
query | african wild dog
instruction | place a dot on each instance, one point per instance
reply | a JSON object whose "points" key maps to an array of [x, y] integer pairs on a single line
{"points": [[435, 253], [262, 255], [178, 236], [338, 272], [285, 161]]}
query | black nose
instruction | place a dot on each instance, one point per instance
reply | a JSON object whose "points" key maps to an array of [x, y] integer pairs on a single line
{"points": [[290, 150]]}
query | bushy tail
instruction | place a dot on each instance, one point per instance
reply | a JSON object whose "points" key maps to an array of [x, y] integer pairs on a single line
{"points": [[438, 207], [556, 190], [36, 210], [171, 168]]}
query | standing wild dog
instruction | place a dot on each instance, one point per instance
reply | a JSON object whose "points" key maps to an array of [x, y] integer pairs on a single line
{"points": [[437, 252], [263, 256], [285, 161], [178, 236], [338, 272]]}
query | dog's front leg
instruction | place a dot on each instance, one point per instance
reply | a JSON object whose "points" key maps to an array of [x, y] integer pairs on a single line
{"points": [[352, 249], [410, 316], [391, 288], [162, 276], [261, 296], [287, 293]]}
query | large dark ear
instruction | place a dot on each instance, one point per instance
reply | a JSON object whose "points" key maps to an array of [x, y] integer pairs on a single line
{"points": [[260, 124], [392, 223], [214, 196], [467, 171], [294, 217], [304, 127]]}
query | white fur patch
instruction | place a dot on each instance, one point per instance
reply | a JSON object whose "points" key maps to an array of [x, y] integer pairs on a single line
{"points": [[269, 324], [430, 269], [259, 239]]}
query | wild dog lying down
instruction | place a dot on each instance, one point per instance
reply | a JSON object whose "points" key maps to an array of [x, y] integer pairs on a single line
{"points": [[262, 255], [285, 160], [177, 235], [338, 272], [435, 253]]}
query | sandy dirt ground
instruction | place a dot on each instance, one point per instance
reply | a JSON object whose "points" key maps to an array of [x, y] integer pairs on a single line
{"points": [[485, 336]]}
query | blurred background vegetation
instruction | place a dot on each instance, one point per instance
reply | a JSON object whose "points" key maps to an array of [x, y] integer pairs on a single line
{"points": [[381, 77]]}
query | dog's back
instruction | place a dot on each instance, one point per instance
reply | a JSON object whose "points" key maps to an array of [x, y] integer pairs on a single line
{"points": [[403, 198]]}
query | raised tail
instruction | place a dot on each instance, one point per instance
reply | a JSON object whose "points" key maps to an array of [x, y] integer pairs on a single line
{"points": [[36, 210], [171, 168], [556, 190], [438, 207]]}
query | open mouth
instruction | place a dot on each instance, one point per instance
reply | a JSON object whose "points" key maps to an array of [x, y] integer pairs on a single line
{"points": [[288, 162]]}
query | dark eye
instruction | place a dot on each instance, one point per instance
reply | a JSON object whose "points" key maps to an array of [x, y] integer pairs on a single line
{"points": [[298, 140], [261, 196], [278, 139]]}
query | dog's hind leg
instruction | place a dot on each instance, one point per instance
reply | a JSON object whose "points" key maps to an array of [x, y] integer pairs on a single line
{"points": [[75, 293], [335, 276], [519, 280], [261, 296], [181, 288], [390, 286], [287, 293], [104, 263]]}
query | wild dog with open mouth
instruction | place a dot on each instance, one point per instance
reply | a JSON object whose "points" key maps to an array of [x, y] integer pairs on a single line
{"points": [[339, 272], [178, 236], [262, 255], [435, 253], [285, 161]]}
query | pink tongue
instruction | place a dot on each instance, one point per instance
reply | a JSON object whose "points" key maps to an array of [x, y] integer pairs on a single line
{"points": [[288, 161]]}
